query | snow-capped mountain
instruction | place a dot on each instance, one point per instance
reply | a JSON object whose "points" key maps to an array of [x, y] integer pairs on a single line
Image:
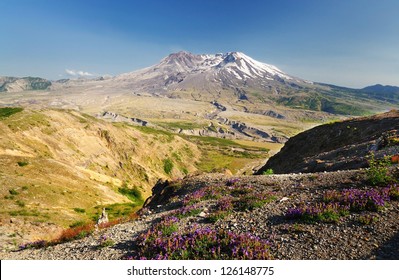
{"points": [[207, 75], [244, 67], [234, 77], [238, 64]]}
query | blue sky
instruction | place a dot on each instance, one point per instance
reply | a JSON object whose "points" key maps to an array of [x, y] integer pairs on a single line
{"points": [[351, 43]]}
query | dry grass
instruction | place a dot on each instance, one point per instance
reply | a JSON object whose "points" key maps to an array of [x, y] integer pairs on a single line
{"points": [[71, 165]]}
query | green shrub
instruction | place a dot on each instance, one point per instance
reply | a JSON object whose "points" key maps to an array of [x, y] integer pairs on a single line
{"points": [[218, 215], [268, 172], [24, 212], [133, 194], [79, 210], [20, 203], [13, 192], [105, 241], [378, 173], [8, 111], [167, 166], [168, 226], [368, 219], [22, 163]]}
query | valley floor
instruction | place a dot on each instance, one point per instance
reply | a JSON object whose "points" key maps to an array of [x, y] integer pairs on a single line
{"points": [[346, 239]]}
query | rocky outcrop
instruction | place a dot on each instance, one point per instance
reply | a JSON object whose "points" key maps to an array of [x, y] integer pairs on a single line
{"points": [[238, 130], [218, 106], [273, 114], [103, 219], [338, 146], [119, 118]]}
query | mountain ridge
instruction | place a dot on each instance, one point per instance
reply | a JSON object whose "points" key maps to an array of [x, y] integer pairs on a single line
{"points": [[236, 77]]}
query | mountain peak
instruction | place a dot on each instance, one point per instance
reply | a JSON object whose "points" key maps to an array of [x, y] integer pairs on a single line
{"points": [[246, 67], [180, 54], [183, 61], [237, 63], [188, 71], [232, 56]]}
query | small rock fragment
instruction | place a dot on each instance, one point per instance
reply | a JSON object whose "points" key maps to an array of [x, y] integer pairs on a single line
{"points": [[284, 199]]}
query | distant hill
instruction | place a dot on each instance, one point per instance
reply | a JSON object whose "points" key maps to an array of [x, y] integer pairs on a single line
{"points": [[14, 84], [388, 93]]}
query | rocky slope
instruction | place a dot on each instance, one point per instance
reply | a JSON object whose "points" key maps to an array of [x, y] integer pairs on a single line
{"points": [[339, 145], [349, 238]]}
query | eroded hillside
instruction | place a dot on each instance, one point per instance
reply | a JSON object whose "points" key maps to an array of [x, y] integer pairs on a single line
{"points": [[59, 168]]}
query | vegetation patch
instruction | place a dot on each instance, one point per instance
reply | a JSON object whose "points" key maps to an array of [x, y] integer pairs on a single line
{"points": [[20, 203], [27, 121], [199, 244], [22, 163], [77, 224], [168, 166], [116, 211], [180, 125], [167, 136], [213, 141], [268, 172], [224, 207], [235, 196], [252, 201], [79, 210], [187, 211], [105, 241], [73, 233], [357, 200], [13, 192], [9, 111], [340, 203], [24, 212], [378, 172], [133, 194], [219, 154], [166, 240], [321, 212], [368, 219], [78, 230]]}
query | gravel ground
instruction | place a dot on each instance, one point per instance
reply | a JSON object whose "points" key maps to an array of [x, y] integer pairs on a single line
{"points": [[346, 239]]}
